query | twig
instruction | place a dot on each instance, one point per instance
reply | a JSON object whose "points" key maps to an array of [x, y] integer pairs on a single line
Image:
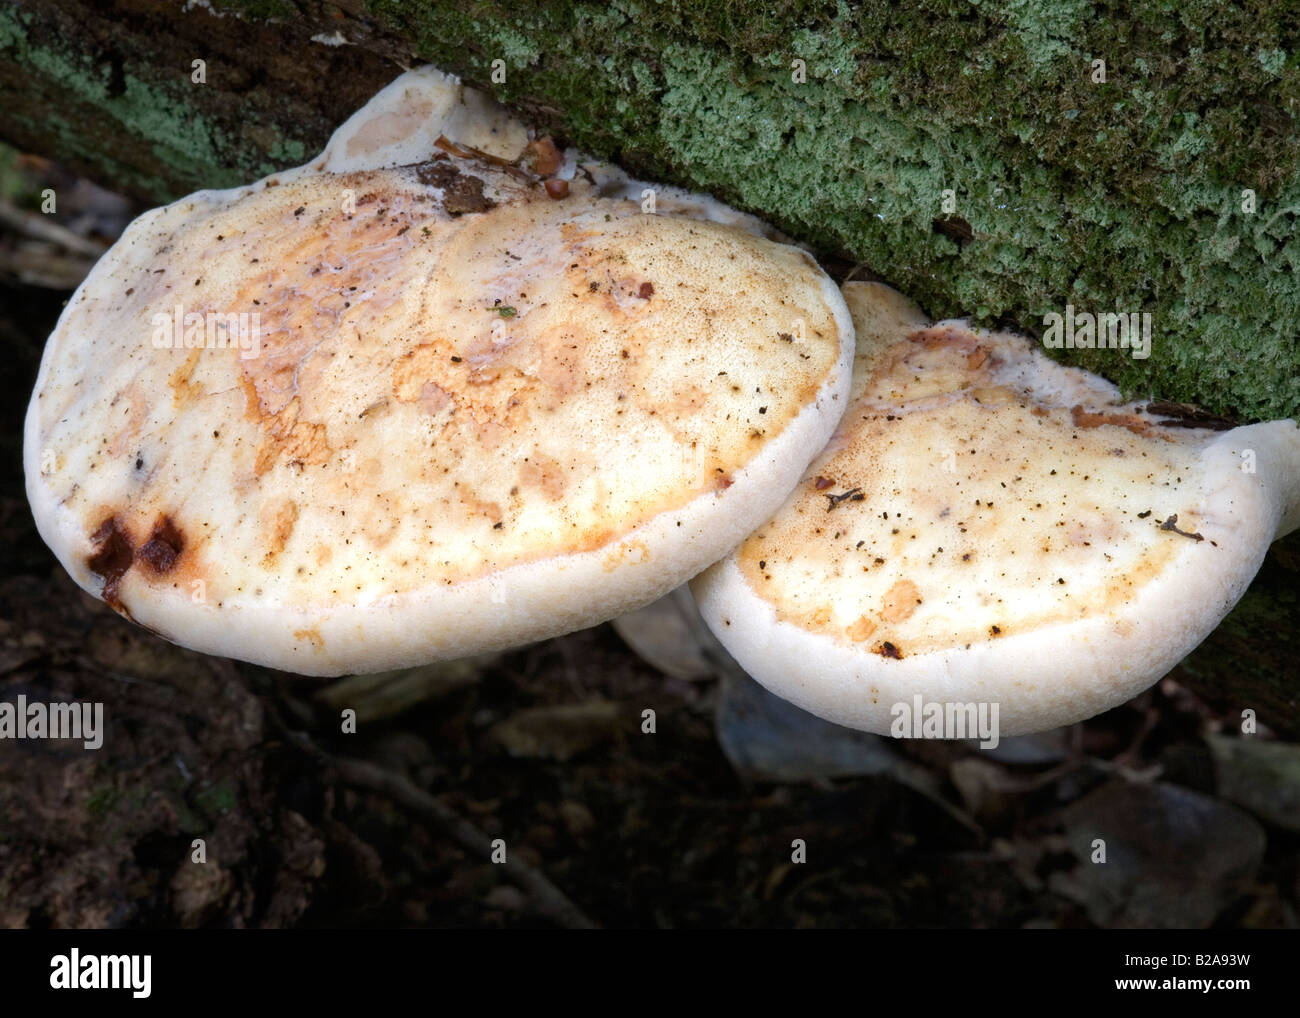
{"points": [[548, 900], [39, 227], [35, 263]]}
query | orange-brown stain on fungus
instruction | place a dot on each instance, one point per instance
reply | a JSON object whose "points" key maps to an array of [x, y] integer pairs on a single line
{"points": [[1135, 423], [900, 601], [311, 636], [278, 519], [860, 630]]}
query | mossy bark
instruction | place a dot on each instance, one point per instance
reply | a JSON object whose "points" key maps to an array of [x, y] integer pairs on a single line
{"points": [[973, 154], [1171, 186]]}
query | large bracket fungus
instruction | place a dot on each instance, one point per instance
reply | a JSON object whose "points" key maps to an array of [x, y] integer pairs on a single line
{"points": [[446, 389], [990, 527], [442, 390]]}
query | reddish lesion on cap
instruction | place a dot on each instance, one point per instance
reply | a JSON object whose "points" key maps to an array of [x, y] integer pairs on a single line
{"points": [[310, 297], [461, 192], [860, 630], [111, 559], [115, 553], [160, 553], [184, 389], [543, 156], [1082, 418], [544, 473]]}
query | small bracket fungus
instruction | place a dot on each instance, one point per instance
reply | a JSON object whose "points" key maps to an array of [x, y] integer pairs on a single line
{"points": [[443, 390], [988, 526]]}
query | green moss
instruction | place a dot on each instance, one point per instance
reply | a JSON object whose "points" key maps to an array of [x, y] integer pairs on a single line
{"points": [[1117, 195], [259, 10], [285, 152], [213, 800], [16, 187], [114, 810], [1122, 195], [98, 107], [101, 801], [146, 112]]}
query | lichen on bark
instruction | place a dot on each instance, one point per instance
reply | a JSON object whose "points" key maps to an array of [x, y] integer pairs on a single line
{"points": [[1124, 195]]}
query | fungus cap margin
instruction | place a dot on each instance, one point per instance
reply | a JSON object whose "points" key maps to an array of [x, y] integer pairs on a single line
{"points": [[971, 452]]}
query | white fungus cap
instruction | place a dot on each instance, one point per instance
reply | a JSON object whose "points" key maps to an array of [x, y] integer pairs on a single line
{"points": [[412, 401], [988, 526]]}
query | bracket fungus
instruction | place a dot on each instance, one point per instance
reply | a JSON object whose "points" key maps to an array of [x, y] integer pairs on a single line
{"points": [[990, 527], [442, 390]]}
